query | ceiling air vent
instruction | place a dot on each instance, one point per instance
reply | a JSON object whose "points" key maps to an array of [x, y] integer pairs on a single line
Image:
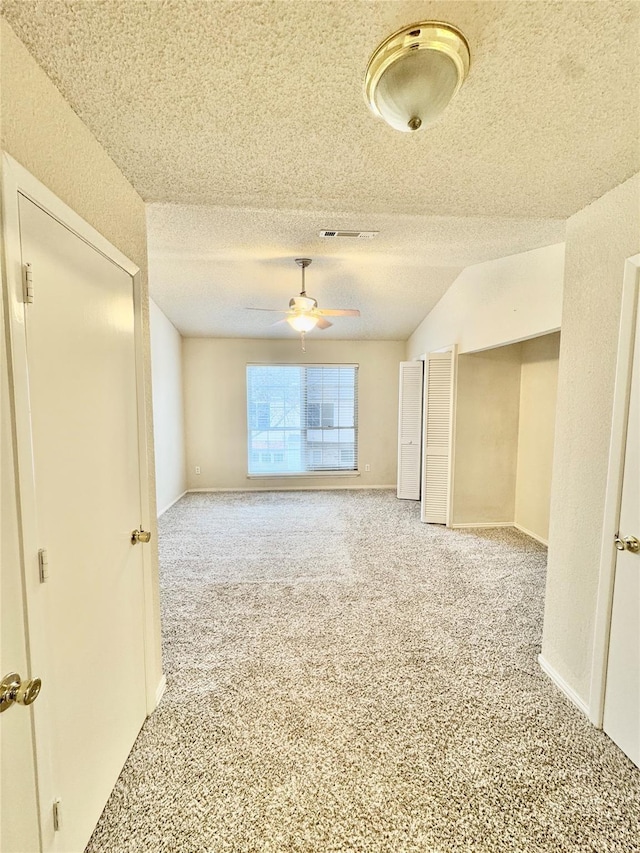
{"points": [[362, 235]]}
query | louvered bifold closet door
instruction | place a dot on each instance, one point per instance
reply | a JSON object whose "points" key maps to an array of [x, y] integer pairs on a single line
{"points": [[410, 430], [438, 427]]}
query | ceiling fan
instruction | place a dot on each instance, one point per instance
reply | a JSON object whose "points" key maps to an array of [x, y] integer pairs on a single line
{"points": [[303, 314]]}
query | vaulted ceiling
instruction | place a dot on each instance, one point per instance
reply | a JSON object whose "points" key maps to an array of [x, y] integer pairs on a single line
{"points": [[245, 123]]}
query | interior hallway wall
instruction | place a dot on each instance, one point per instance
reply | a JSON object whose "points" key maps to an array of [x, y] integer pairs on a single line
{"points": [[496, 303], [41, 131], [538, 399], [168, 408], [599, 239], [216, 408], [486, 436]]}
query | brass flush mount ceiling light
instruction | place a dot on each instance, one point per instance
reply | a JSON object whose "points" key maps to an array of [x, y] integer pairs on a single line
{"points": [[413, 74]]}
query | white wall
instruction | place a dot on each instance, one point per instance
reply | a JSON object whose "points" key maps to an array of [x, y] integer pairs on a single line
{"points": [[168, 408], [216, 407], [538, 398], [495, 303], [599, 239], [486, 436], [41, 131]]}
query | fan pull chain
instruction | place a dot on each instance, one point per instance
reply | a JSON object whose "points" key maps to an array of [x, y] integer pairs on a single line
{"points": [[302, 340]]}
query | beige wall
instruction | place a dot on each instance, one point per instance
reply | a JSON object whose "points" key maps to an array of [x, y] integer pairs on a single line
{"points": [[41, 131], [216, 407], [538, 397], [599, 239], [486, 436], [495, 303], [505, 420], [168, 408]]}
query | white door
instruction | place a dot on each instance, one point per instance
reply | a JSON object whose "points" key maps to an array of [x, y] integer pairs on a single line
{"points": [[410, 430], [439, 399], [622, 693], [82, 387], [18, 802]]}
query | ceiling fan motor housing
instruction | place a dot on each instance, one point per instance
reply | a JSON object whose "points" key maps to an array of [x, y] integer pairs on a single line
{"points": [[303, 303]]}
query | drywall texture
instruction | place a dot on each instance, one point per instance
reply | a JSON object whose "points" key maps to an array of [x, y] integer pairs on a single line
{"points": [[216, 408], [599, 239], [486, 436], [260, 104], [39, 129], [538, 397], [495, 303], [168, 408], [203, 285]]}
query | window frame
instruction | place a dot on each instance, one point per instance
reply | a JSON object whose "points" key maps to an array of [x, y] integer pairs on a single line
{"points": [[311, 472]]}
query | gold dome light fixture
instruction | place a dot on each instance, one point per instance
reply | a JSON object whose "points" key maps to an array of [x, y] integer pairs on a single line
{"points": [[413, 75]]}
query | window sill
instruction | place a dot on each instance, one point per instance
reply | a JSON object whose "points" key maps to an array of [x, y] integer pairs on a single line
{"points": [[307, 475]]}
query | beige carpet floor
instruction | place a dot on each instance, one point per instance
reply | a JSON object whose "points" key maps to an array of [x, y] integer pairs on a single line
{"points": [[344, 678]]}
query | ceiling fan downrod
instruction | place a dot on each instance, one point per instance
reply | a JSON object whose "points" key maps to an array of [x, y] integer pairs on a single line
{"points": [[303, 263]]}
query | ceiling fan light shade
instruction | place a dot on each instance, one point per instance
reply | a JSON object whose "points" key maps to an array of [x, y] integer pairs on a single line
{"points": [[302, 322], [414, 74]]}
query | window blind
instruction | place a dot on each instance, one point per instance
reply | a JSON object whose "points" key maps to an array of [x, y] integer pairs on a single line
{"points": [[302, 419]]}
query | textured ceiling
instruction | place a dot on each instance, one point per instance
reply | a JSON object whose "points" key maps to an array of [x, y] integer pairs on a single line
{"points": [[260, 104], [248, 119], [208, 264]]}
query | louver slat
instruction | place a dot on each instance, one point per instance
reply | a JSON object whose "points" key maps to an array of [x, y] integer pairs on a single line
{"points": [[438, 425]]}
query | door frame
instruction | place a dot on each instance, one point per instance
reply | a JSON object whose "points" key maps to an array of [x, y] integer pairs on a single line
{"points": [[630, 305], [16, 181]]}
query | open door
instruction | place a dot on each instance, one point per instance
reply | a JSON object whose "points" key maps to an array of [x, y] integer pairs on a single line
{"points": [[615, 678], [437, 466], [622, 691]]}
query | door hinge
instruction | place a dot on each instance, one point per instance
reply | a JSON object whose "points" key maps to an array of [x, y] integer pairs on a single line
{"points": [[57, 815], [43, 565], [27, 284]]}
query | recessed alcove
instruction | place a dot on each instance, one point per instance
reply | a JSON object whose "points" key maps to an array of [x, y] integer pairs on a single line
{"points": [[504, 433]]}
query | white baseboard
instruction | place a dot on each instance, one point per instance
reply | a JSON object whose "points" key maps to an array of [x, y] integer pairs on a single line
{"points": [[162, 686], [512, 524], [290, 489], [559, 681], [530, 533], [168, 506]]}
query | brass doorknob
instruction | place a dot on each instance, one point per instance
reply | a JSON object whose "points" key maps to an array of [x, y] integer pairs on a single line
{"points": [[14, 689], [628, 543], [28, 691], [140, 536]]}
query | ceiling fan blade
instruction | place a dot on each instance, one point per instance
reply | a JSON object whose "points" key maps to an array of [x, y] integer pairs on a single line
{"points": [[280, 322], [322, 323], [337, 312], [271, 310]]}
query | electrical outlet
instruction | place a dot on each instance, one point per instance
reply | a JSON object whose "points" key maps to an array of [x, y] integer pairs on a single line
{"points": [[367, 467], [197, 469]]}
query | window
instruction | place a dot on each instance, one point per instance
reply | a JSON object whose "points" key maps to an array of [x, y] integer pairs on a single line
{"points": [[302, 419], [260, 416], [320, 414]]}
